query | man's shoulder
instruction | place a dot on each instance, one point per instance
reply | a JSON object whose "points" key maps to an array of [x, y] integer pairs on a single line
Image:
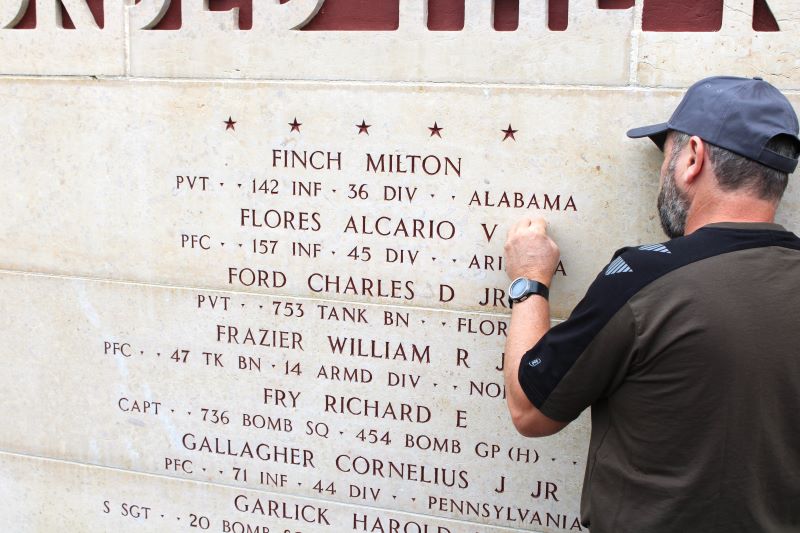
{"points": [[632, 268], [644, 258]]}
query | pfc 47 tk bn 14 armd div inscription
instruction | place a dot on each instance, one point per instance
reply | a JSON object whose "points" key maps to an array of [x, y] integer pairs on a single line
{"points": [[396, 408]]}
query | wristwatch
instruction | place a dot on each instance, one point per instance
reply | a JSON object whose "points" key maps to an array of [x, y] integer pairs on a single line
{"points": [[521, 288]]}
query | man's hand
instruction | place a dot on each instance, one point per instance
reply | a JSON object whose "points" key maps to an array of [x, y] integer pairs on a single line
{"points": [[529, 252]]}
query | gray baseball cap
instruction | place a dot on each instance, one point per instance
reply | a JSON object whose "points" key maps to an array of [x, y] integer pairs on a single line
{"points": [[738, 114]]}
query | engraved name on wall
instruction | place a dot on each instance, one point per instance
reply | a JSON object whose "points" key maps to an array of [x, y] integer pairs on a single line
{"points": [[375, 405]]}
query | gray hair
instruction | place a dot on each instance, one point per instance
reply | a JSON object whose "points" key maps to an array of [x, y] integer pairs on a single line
{"points": [[736, 172]]}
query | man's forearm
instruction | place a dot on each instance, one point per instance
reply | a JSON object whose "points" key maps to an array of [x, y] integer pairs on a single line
{"points": [[530, 320], [530, 254]]}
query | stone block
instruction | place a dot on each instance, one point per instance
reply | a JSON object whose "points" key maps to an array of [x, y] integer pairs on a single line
{"points": [[667, 59], [55, 495], [389, 408], [148, 182], [51, 48], [593, 50]]}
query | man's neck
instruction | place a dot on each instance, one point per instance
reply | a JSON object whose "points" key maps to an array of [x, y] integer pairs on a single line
{"points": [[730, 208]]}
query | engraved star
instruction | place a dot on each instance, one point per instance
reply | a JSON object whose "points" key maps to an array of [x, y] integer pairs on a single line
{"points": [[229, 124], [435, 130], [295, 125], [363, 127], [509, 133]]}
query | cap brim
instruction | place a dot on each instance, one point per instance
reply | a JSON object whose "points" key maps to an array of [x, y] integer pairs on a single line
{"points": [[656, 132]]}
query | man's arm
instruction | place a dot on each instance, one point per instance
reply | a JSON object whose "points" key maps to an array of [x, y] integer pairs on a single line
{"points": [[529, 253]]}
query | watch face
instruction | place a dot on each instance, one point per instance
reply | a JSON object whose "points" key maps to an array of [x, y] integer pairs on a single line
{"points": [[518, 287]]}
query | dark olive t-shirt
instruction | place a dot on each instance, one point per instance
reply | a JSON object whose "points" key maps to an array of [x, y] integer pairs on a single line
{"points": [[688, 353]]}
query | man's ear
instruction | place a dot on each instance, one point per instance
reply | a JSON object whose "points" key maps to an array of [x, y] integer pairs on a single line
{"points": [[695, 162]]}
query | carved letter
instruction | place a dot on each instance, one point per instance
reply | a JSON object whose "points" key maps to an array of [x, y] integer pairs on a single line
{"points": [[413, 16], [48, 14], [148, 13], [272, 16], [479, 16], [11, 11], [502, 487], [198, 19], [533, 16]]}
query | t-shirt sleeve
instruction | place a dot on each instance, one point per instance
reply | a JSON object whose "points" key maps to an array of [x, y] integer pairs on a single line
{"points": [[584, 358]]}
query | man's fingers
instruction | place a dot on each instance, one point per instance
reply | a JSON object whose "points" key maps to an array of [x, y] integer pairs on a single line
{"points": [[539, 225], [521, 224], [525, 226], [536, 225]]}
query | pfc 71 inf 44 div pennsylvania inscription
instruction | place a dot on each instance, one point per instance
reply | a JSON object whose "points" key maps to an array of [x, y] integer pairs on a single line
{"points": [[316, 399], [323, 409]]}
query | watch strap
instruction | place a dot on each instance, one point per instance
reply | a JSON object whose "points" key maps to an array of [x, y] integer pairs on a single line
{"points": [[533, 288]]}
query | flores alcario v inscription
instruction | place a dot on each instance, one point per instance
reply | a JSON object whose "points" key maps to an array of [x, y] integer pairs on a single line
{"points": [[401, 240]]}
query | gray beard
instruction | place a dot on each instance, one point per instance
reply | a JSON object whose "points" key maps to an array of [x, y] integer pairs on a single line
{"points": [[673, 206]]}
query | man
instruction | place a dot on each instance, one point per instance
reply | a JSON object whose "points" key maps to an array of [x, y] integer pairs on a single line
{"points": [[687, 351]]}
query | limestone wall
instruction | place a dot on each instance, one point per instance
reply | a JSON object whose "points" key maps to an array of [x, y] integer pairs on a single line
{"points": [[251, 252]]}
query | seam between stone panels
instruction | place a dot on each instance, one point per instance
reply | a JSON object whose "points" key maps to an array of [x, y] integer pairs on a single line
{"points": [[636, 31], [30, 273], [451, 521], [249, 293], [340, 82], [365, 83], [126, 25], [311, 81]]}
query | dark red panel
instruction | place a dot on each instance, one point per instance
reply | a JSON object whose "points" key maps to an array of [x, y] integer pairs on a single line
{"points": [[66, 20], [383, 15], [682, 15], [28, 21], [357, 15], [558, 15], [506, 15], [615, 4], [446, 15], [763, 19]]}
